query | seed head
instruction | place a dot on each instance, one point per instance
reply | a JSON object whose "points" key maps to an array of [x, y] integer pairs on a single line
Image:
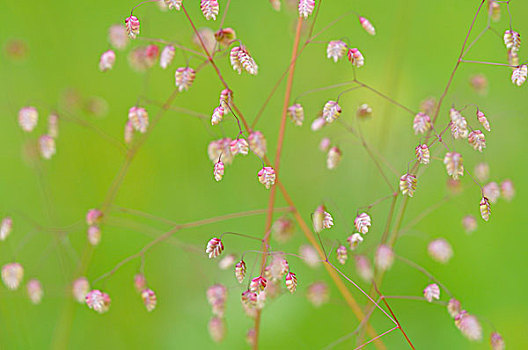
{"points": [[291, 282], [362, 222], [318, 293], [306, 8], [226, 96], [174, 4], [117, 36], [220, 148], [28, 118], [485, 208], [322, 219], [239, 146], [512, 40], [431, 292], [408, 184], [482, 171], [258, 284], [53, 125], [494, 10], [364, 268], [257, 143], [492, 192], [240, 271], [469, 326], [507, 190], [477, 140], [214, 248], [453, 307], [423, 155], [469, 223], [354, 240], [5, 228], [47, 146], [80, 289], [34, 290], [140, 282], [129, 132], [454, 165], [355, 57], [94, 235], [184, 77], [421, 123], [296, 113], [440, 250], [309, 255], [384, 257], [324, 145], [342, 254], [227, 261], [217, 329], [218, 115], [217, 297], [107, 60], [132, 26], [167, 55], [318, 123], [519, 75], [496, 341], [209, 9], [149, 299], [12, 275], [98, 301], [218, 171], [267, 176], [225, 36], [240, 58], [283, 229], [249, 298], [369, 28], [333, 158], [139, 118], [458, 124], [331, 111], [336, 49], [483, 120]]}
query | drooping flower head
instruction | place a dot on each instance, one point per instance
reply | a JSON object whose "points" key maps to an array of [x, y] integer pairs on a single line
{"points": [[507, 190], [512, 40], [209, 9], [214, 247], [227, 261], [12, 275], [47, 146], [80, 289], [483, 120], [322, 219], [107, 60], [331, 111], [423, 155], [240, 271], [469, 223], [485, 208], [291, 282], [477, 140], [149, 299], [469, 326], [128, 134], [318, 293], [117, 36], [384, 257], [454, 165], [306, 8], [364, 268], [492, 192], [519, 75], [140, 282], [324, 145], [421, 123], [283, 229], [267, 176], [309, 255], [174, 4], [132, 26], [28, 118], [239, 146], [354, 240], [217, 297], [225, 36], [249, 298], [408, 184], [53, 125], [364, 111], [431, 292], [218, 115], [440, 250], [5, 228], [220, 148], [34, 290], [98, 301], [241, 59], [453, 307], [257, 143], [184, 77], [362, 222], [218, 171], [94, 235], [296, 113], [336, 49], [217, 329], [258, 284], [342, 254], [496, 341], [139, 118], [365, 23], [167, 55], [356, 57], [333, 158]]}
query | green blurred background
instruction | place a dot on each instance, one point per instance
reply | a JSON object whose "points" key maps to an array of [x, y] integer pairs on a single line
{"points": [[410, 59]]}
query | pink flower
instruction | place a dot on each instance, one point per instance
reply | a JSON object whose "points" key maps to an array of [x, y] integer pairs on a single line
{"points": [[291, 282], [218, 170], [240, 58], [94, 235], [470, 223], [336, 49], [167, 55], [384, 257], [512, 40], [408, 184], [239, 146], [477, 140], [333, 158], [369, 28], [364, 268], [34, 290], [496, 341], [324, 145], [342, 254], [5, 228], [107, 60], [174, 4], [217, 297], [483, 120], [28, 118], [453, 307], [139, 118], [322, 219], [209, 8], [249, 298], [362, 222], [354, 240], [258, 284], [318, 293], [318, 123], [519, 75], [296, 113], [469, 326], [331, 111], [421, 123], [306, 8], [149, 299], [283, 229], [47, 146], [485, 208], [356, 58], [267, 176], [240, 271], [507, 190], [132, 26], [217, 329], [454, 165], [117, 36], [226, 96], [218, 115], [257, 143], [227, 261], [423, 154], [80, 289], [140, 282], [93, 216], [309, 255], [492, 192], [214, 248], [184, 78], [431, 292], [440, 250], [98, 301]]}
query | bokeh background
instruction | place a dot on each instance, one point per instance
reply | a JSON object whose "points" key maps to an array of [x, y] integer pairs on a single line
{"points": [[410, 59]]}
